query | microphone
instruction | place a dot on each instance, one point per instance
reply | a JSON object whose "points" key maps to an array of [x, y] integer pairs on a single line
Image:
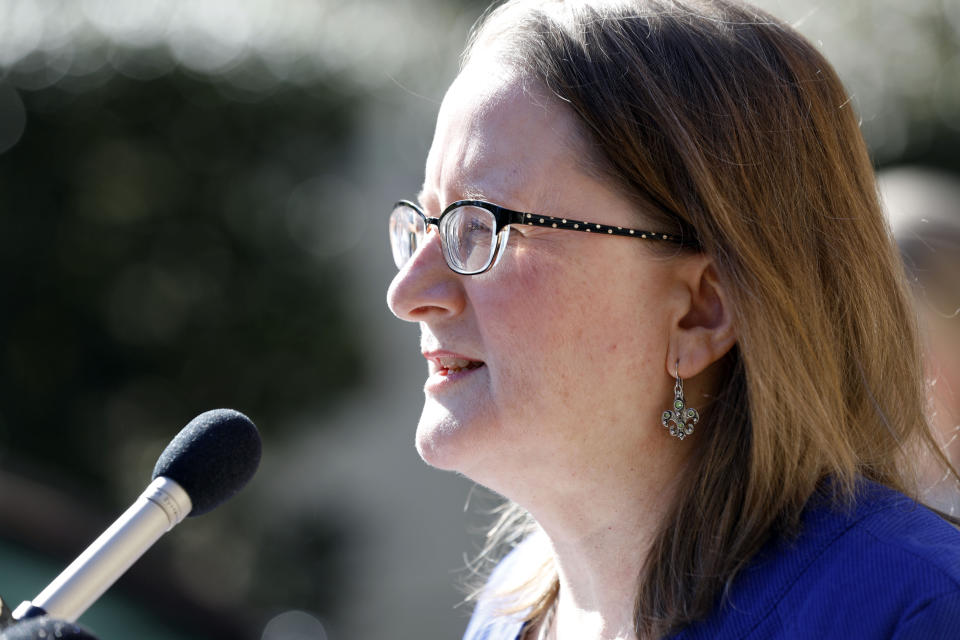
{"points": [[210, 460]]}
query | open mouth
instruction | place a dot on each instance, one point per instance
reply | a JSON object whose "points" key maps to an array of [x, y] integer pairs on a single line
{"points": [[447, 365]]}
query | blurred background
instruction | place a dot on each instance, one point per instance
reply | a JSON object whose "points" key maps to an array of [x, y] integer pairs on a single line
{"points": [[193, 200]]}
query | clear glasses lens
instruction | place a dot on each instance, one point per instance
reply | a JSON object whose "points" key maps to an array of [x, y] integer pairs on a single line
{"points": [[469, 238], [406, 229]]}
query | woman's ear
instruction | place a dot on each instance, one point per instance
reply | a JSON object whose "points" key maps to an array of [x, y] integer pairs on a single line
{"points": [[704, 330]]}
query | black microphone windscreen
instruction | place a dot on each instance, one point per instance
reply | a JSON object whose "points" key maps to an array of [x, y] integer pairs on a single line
{"points": [[212, 458], [45, 629]]}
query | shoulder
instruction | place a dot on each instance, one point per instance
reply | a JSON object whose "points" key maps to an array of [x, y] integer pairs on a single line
{"points": [[495, 616], [885, 567], [883, 534]]}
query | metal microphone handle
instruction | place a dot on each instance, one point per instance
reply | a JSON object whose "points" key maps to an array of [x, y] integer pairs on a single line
{"points": [[161, 506]]}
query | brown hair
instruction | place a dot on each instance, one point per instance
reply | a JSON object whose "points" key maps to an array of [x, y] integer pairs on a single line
{"points": [[727, 126]]}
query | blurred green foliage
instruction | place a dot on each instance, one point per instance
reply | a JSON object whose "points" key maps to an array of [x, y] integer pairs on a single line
{"points": [[156, 261], [147, 271]]}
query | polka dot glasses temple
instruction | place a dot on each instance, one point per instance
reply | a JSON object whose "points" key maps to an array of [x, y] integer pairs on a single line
{"points": [[470, 232]]}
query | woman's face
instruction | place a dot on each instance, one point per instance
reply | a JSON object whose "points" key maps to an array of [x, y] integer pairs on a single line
{"points": [[554, 358]]}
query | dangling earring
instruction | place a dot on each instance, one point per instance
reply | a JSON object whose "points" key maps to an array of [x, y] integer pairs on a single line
{"points": [[681, 419]]}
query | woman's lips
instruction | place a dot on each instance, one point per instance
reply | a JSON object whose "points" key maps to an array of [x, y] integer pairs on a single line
{"points": [[446, 367]]}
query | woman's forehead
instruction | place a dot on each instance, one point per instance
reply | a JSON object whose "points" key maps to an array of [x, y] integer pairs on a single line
{"points": [[496, 132]]}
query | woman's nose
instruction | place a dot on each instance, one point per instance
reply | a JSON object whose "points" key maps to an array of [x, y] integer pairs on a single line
{"points": [[425, 288]]}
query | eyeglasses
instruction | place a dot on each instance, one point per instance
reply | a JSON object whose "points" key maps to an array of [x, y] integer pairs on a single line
{"points": [[470, 232]]}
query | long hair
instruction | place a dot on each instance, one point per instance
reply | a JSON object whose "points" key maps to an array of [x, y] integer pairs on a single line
{"points": [[726, 126]]}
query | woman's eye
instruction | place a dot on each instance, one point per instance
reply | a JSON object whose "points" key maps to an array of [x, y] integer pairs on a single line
{"points": [[477, 226]]}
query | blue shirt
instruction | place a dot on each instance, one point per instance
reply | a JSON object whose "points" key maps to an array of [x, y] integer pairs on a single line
{"points": [[884, 568]]}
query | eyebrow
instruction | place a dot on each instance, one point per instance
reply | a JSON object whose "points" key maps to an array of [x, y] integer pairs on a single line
{"points": [[468, 193], [472, 193]]}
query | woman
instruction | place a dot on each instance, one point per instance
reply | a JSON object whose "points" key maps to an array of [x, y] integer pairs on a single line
{"points": [[707, 417]]}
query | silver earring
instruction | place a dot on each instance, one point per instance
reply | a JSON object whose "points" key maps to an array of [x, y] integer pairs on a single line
{"points": [[680, 419]]}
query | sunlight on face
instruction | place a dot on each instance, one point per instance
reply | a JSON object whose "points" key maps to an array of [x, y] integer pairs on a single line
{"points": [[561, 336]]}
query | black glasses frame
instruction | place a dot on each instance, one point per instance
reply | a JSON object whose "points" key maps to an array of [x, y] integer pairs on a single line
{"points": [[505, 217]]}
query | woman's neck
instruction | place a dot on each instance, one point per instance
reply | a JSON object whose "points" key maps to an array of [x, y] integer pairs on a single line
{"points": [[600, 539]]}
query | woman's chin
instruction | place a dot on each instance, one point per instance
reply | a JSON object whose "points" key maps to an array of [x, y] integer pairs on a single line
{"points": [[441, 437], [441, 445], [446, 442]]}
